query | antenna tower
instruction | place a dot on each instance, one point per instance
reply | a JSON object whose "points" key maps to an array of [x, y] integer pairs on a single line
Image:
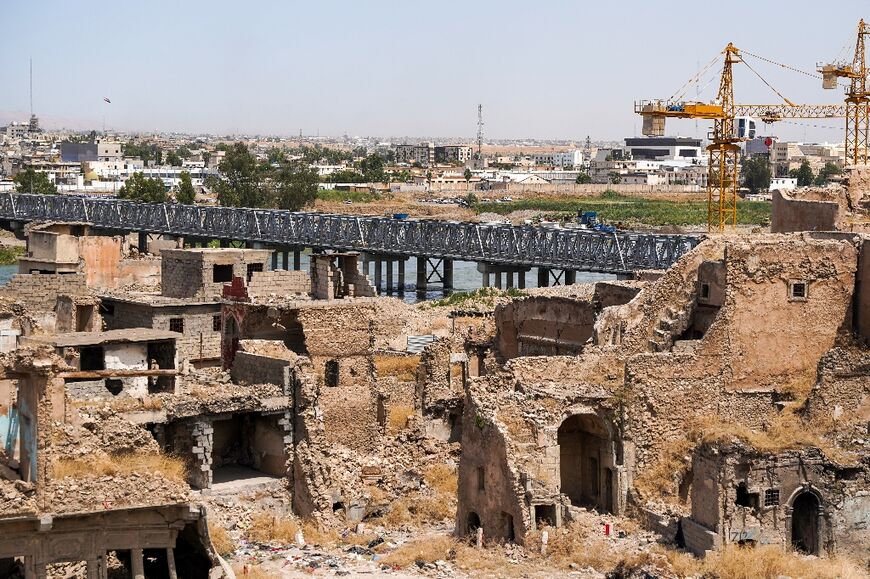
{"points": [[479, 131]]}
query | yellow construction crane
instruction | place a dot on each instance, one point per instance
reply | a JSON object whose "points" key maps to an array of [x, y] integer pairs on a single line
{"points": [[857, 98], [731, 125]]}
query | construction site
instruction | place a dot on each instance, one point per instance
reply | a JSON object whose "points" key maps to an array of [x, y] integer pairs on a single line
{"points": [[182, 412]]}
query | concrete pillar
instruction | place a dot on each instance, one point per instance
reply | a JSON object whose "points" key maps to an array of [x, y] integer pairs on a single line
{"points": [[143, 242], [570, 277], [421, 277], [170, 563], [254, 244], [224, 242], [297, 260], [136, 565], [366, 261], [389, 275], [484, 282], [401, 286], [97, 568], [378, 274], [509, 278], [274, 260], [543, 277], [521, 279], [447, 264], [497, 280]]}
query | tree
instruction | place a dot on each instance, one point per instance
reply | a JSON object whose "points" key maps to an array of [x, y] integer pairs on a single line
{"points": [[185, 194], [242, 183], [206, 156], [756, 174], [158, 157], [373, 168], [31, 181], [825, 172], [183, 152], [346, 176], [615, 178], [804, 174], [295, 186], [142, 189], [173, 159], [583, 178]]}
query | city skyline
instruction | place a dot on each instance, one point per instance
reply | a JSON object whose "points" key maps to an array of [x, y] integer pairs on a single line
{"points": [[383, 68]]}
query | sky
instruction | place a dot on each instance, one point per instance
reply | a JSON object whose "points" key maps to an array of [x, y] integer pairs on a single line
{"points": [[543, 69]]}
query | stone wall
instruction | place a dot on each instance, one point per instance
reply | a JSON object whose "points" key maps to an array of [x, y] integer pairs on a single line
{"points": [[741, 495], [790, 214], [543, 326], [331, 281], [862, 290], [257, 369]]}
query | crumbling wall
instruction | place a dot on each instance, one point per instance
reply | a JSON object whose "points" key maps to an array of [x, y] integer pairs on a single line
{"points": [[862, 290], [840, 398], [490, 492], [794, 214], [331, 281], [251, 368], [543, 326], [741, 495], [38, 293]]}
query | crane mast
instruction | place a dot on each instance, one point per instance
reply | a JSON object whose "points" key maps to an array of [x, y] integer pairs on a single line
{"points": [[723, 153]]}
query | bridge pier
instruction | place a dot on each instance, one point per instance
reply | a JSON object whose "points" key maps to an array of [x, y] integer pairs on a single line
{"points": [[548, 277], [428, 270], [514, 276]]}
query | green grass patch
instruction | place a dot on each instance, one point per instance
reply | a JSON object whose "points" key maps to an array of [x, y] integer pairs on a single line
{"points": [[482, 296], [613, 207], [341, 196], [10, 255]]}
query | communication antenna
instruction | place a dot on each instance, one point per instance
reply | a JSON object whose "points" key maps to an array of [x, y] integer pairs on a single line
{"points": [[479, 131]]}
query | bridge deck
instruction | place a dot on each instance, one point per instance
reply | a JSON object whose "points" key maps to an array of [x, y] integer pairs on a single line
{"points": [[508, 245]]}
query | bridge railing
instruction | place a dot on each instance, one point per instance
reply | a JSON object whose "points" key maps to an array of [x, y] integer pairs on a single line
{"points": [[506, 244]]}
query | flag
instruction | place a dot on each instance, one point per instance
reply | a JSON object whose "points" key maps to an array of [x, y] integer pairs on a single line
{"points": [[107, 100]]}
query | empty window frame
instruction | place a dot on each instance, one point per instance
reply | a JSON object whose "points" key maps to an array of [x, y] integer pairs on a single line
{"points": [[176, 325], [798, 290], [222, 273], [216, 323], [252, 267], [705, 291], [771, 497]]}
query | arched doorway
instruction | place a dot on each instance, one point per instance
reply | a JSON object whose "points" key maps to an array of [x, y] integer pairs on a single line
{"points": [[586, 461], [805, 523]]}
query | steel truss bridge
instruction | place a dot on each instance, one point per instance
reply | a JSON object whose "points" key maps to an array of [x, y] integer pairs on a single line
{"points": [[500, 245]]}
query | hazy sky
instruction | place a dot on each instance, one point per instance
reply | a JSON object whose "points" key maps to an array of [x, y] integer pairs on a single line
{"points": [[542, 69]]}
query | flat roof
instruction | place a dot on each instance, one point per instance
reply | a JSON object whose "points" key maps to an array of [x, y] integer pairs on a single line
{"points": [[155, 300], [76, 339]]}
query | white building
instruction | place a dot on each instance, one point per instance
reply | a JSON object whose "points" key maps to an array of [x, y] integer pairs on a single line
{"points": [[664, 148], [560, 159]]}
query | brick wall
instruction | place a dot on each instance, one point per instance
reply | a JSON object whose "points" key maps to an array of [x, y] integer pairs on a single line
{"points": [[280, 283], [190, 273], [39, 291]]}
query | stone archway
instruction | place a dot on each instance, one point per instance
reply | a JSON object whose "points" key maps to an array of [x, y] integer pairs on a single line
{"points": [[586, 462], [805, 529]]}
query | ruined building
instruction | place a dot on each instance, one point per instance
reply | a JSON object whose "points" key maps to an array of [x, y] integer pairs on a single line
{"points": [[584, 401]]}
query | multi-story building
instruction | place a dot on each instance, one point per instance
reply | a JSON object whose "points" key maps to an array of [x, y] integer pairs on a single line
{"points": [[664, 148], [785, 156], [109, 151], [559, 159], [453, 153]]}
